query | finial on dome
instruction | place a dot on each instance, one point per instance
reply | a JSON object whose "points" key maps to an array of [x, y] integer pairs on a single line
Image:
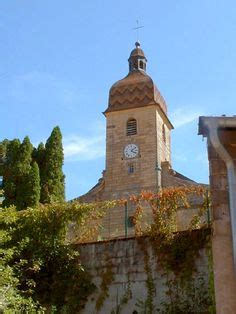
{"points": [[137, 44]]}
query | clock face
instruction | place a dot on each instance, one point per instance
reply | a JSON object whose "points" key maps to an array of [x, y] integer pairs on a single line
{"points": [[131, 151]]}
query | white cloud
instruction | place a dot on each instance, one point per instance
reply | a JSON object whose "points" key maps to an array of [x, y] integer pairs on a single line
{"points": [[83, 148], [184, 115]]}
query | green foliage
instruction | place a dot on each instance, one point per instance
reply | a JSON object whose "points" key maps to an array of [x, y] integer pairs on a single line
{"points": [[52, 177], [190, 296], [22, 180], [10, 173], [3, 151], [32, 187], [24, 157], [39, 157], [23, 171], [211, 290], [12, 300], [107, 278], [40, 270]]}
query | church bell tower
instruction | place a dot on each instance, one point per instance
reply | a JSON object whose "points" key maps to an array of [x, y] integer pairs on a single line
{"points": [[138, 156], [137, 132]]}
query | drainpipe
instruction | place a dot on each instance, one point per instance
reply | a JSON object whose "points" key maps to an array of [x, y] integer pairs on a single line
{"points": [[213, 126]]}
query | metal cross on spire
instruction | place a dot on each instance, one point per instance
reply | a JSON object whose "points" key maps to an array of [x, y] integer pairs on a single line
{"points": [[137, 28]]}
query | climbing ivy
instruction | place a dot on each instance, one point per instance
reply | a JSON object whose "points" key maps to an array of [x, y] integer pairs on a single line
{"points": [[124, 298], [175, 250], [107, 276], [148, 303]]}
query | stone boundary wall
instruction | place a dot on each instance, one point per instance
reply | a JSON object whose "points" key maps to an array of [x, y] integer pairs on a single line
{"points": [[124, 260]]}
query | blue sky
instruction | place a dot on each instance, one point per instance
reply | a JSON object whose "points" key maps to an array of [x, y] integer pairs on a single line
{"points": [[59, 58]]}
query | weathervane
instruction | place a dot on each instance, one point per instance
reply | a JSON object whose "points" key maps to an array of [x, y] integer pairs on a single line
{"points": [[137, 28]]}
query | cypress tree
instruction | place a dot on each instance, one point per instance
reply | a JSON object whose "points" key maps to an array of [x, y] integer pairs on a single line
{"points": [[3, 152], [32, 187], [10, 172], [52, 177], [25, 156], [39, 158], [38, 155], [23, 169]]}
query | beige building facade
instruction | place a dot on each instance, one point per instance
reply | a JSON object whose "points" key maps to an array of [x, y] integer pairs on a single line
{"points": [[132, 161]]}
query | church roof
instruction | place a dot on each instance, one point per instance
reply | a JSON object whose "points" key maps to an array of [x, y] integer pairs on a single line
{"points": [[137, 51], [137, 89]]}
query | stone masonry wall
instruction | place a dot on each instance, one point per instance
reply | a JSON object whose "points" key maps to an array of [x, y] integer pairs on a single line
{"points": [[125, 258], [118, 182]]}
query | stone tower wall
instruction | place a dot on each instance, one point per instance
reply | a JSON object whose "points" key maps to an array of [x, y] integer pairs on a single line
{"points": [[149, 138]]}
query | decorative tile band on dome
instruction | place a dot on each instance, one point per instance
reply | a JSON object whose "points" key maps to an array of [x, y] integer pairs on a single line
{"points": [[135, 90]]}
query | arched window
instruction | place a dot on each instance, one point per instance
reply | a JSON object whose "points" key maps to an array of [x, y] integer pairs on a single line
{"points": [[131, 127], [163, 133]]}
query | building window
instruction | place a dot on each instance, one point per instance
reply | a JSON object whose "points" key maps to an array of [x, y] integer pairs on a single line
{"points": [[130, 168], [131, 127], [163, 133]]}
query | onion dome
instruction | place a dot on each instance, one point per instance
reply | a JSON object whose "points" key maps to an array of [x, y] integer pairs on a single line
{"points": [[137, 89]]}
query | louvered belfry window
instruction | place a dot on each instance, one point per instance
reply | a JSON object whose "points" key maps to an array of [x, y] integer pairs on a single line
{"points": [[131, 128]]}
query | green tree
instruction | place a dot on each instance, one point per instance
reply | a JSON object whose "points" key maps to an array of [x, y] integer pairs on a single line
{"points": [[52, 177], [21, 181], [39, 156], [23, 169], [3, 151], [32, 187], [10, 181]]}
